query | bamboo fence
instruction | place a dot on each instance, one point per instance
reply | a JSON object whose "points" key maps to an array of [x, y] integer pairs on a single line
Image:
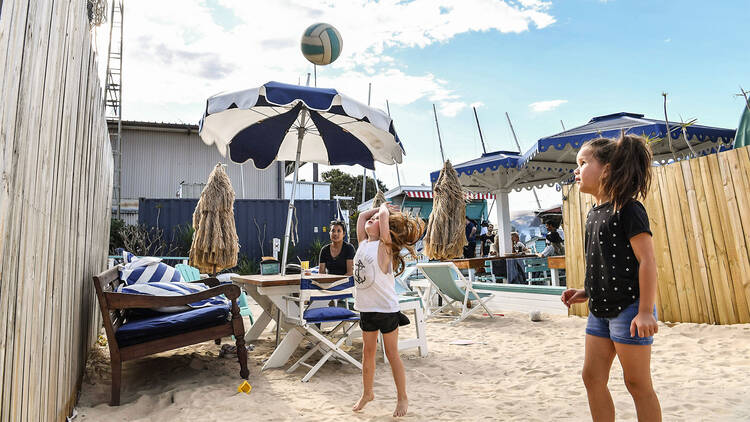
{"points": [[55, 196], [699, 212]]}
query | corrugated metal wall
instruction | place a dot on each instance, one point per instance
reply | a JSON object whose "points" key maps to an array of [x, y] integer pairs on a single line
{"points": [[154, 162], [312, 218]]}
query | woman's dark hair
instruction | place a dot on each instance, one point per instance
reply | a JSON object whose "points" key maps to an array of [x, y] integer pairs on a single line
{"points": [[627, 165], [339, 223]]}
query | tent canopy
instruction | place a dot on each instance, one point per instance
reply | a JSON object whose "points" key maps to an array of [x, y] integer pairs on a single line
{"points": [[552, 159]]}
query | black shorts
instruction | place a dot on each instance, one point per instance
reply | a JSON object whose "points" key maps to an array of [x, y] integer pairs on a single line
{"points": [[383, 321]]}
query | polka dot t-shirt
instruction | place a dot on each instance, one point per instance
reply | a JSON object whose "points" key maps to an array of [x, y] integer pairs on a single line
{"points": [[611, 267]]}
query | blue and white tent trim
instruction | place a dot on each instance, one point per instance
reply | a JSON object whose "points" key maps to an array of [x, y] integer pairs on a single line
{"points": [[551, 160], [502, 170], [563, 146], [490, 161], [261, 124]]}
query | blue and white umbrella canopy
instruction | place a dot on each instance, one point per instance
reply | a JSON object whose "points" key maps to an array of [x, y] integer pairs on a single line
{"points": [[502, 170], [261, 124], [564, 146], [301, 124]]}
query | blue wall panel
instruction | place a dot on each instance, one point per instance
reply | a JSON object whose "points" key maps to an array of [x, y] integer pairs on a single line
{"points": [[167, 214]]}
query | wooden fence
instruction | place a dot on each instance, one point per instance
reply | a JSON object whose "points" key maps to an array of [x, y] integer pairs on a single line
{"points": [[55, 195], [699, 211]]}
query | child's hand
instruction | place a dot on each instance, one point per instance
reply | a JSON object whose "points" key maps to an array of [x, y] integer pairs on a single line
{"points": [[644, 325], [392, 208], [573, 296]]}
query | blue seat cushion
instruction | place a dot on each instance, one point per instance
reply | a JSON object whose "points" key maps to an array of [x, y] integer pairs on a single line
{"points": [[167, 325], [331, 313]]}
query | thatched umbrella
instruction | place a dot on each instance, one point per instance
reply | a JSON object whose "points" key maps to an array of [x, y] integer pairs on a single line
{"points": [[445, 237], [215, 243]]}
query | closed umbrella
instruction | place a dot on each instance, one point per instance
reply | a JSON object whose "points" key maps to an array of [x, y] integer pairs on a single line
{"points": [[279, 121], [215, 243]]}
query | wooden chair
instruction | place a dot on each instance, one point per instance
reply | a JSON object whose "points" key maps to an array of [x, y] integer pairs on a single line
{"points": [[191, 331], [537, 266]]}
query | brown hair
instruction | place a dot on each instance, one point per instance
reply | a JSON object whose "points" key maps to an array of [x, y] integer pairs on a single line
{"points": [[627, 165], [405, 232]]}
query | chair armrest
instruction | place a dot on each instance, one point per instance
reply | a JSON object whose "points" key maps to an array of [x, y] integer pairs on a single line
{"points": [[288, 313], [128, 300], [210, 282]]}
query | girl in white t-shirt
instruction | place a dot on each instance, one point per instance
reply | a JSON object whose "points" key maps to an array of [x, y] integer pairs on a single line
{"points": [[375, 294]]}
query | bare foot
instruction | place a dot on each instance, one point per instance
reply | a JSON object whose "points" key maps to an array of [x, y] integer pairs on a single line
{"points": [[366, 398], [401, 407]]}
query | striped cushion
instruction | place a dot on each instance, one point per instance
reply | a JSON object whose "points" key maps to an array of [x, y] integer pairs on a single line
{"points": [[147, 269], [174, 289]]}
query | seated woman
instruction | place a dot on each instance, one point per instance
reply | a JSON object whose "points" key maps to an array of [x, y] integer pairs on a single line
{"points": [[555, 244], [337, 257]]}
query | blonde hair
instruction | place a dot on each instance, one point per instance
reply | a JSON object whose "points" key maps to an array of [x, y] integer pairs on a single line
{"points": [[405, 232]]}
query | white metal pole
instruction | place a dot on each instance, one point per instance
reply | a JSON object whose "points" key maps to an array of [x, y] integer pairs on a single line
{"points": [[242, 177], [300, 135]]}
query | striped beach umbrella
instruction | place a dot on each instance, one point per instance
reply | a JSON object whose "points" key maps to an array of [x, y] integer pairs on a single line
{"points": [[278, 121]]}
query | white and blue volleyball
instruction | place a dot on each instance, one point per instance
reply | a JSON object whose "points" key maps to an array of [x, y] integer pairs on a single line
{"points": [[321, 44]]}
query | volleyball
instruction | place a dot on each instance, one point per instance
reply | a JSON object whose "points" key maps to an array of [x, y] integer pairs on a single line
{"points": [[321, 44]]}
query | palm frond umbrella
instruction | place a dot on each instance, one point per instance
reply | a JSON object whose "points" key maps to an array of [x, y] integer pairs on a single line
{"points": [[215, 244], [279, 121], [445, 237]]}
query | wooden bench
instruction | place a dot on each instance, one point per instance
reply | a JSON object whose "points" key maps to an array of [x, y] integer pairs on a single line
{"points": [[113, 306]]}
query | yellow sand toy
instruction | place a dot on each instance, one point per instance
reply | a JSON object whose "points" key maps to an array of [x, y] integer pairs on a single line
{"points": [[245, 387]]}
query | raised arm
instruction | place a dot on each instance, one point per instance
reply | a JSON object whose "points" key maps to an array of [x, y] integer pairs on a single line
{"points": [[361, 220]]}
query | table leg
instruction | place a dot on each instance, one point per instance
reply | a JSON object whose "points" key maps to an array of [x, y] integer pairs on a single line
{"points": [[281, 354], [555, 273], [471, 275], [257, 328]]}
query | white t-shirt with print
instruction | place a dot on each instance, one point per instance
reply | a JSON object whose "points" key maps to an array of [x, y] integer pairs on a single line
{"points": [[374, 291]]}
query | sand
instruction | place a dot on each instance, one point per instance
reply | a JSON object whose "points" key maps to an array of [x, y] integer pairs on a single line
{"points": [[515, 370]]}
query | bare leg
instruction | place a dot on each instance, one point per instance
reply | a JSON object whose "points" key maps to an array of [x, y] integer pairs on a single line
{"points": [[636, 368], [369, 348], [600, 352], [390, 341]]}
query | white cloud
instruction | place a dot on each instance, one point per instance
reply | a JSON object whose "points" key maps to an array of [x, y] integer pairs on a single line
{"points": [[549, 105], [477, 104], [177, 54]]}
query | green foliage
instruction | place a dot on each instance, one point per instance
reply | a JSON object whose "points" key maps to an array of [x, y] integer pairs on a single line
{"points": [[313, 251], [182, 239], [292, 258], [115, 234], [246, 266], [141, 241]]}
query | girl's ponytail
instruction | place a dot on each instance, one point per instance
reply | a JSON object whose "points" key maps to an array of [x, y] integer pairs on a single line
{"points": [[627, 171]]}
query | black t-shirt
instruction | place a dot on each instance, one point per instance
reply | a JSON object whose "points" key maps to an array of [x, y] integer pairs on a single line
{"points": [[554, 237], [611, 267], [336, 265], [469, 236]]}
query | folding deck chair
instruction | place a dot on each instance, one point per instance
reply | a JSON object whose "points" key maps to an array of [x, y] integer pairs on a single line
{"points": [[453, 287], [409, 301], [312, 322]]}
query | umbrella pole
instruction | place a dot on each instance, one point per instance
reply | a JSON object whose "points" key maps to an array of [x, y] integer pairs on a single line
{"points": [[300, 135]]}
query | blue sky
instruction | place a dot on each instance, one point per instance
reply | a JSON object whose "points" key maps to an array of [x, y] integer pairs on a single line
{"points": [[579, 58]]}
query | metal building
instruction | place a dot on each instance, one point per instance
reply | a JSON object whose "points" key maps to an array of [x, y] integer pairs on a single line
{"points": [[169, 160]]}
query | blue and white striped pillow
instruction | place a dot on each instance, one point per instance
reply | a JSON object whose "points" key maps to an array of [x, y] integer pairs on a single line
{"points": [[147, 269], [174, 289]]}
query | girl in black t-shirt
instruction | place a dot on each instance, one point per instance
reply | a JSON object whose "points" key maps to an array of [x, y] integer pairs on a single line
{"points": [[620, 283], [337, 257]]}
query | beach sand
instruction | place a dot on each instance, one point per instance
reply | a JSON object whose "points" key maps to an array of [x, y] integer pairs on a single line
{"points": [[515, 370]]}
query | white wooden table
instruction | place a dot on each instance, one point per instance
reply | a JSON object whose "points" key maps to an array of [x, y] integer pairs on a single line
{"points": [[268, 291]]}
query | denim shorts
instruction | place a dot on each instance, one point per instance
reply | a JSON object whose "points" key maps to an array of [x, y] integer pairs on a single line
{"points": [[618, 328]]}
